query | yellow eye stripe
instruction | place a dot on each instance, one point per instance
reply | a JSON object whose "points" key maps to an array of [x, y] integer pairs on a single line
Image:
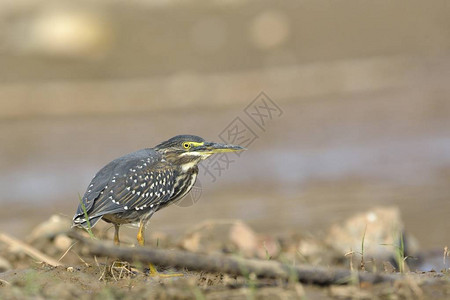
{"points": [[196, 144], [188, 145]]}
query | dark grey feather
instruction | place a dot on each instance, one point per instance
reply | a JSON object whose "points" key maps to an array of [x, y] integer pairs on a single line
{"points": [[134, 182]]}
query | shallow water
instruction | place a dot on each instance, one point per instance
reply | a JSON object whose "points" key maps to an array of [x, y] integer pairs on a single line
{"points": [[292, 178]]}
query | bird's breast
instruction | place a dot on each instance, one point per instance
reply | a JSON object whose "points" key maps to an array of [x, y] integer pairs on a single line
{"points": [[184, 181]]}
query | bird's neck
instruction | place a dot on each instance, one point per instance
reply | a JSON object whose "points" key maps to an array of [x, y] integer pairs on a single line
{"points": [[184, 164], [187, 167]]}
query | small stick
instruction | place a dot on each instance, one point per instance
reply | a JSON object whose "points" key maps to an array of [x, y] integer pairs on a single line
{"points": [[231, 265], [30, 251], [67, 251]]}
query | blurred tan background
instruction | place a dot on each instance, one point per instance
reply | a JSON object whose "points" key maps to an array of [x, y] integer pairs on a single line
{"points": [[363, 85]]}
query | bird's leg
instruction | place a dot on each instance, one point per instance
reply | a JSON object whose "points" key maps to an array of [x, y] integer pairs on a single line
{"points": [[140, 235], [141, 240], [117, 243], [116, 234]]}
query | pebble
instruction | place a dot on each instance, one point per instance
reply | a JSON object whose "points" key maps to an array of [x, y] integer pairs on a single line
{"points": [[222, 236], [53, 226], [62, 242], [380, 227], [4, 265]]}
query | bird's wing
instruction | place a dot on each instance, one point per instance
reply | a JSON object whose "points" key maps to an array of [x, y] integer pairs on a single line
{"points": [[137, 181], [96, 187]]}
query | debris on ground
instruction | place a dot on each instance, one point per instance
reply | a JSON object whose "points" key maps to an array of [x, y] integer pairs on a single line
{"points": [[26, 270]]}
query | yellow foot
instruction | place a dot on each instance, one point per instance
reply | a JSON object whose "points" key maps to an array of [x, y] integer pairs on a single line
{"points": [[154, 273]]}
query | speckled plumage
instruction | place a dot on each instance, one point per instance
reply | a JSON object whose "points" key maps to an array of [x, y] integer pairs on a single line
{"points": [[139, 181], [132, 187]]}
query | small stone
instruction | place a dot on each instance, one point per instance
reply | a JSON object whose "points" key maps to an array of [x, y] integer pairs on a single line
{"points": [[244, 238], [53, 226], [380, 228], [229, 236], [268, 247], [314, 251], [62, 242], [4, 265], [192, 242]]}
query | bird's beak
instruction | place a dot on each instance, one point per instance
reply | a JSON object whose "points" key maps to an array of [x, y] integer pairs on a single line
{"points": [[212, 148]]}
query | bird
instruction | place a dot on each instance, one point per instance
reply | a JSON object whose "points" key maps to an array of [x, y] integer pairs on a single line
{"points": [[131, 188]]}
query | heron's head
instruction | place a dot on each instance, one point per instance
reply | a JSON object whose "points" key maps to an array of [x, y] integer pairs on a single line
{"points": [[189, 150]]}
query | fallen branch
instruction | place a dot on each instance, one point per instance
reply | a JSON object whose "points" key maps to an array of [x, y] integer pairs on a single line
{"points": [[30, 251], [232, 265]]}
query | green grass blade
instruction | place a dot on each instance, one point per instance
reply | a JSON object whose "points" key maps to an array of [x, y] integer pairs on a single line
{"points": [[86, 216]]}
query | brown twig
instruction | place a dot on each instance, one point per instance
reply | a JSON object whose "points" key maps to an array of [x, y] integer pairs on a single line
{"points": [[5, 282], [231, 265], [30, 251], [67, 251]]}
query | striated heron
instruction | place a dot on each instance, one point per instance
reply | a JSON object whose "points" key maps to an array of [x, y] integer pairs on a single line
{"points": [[132, 188]]}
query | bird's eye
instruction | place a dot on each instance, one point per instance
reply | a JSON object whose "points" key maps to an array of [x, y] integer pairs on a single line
{"points": [[186, 145]]}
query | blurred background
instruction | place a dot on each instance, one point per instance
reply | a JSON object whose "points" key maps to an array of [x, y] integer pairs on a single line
{"points": [[362, 90]]}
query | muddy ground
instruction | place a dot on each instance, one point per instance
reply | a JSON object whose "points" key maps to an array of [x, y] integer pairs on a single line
{"points": [[84, 276], [91, 282]]}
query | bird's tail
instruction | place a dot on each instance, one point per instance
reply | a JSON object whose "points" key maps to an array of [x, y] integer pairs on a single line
{"points": [[80, 221]]}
